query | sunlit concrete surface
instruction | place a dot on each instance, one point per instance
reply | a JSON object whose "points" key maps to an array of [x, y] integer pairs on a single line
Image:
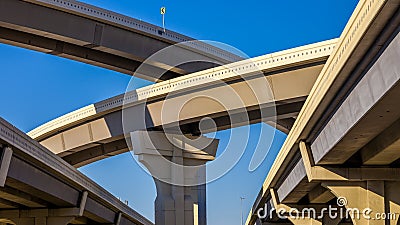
{"points": [[96, 131], [342, 144]]}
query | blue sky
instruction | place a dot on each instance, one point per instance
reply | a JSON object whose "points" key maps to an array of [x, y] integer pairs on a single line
{"points": [[36, 88]]}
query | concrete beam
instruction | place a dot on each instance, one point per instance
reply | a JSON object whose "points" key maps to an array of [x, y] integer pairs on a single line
{"points": [[295, 186], [305, 176], [6, 204], [39, 216], [369, 108], [291, 75], [283, 125], [6, 155], [320, 195], [43, 185], [22, 198], [73, 52], [92, 35], [91, 140], [367, 31], [302, 218], [383, 149], [42, 220], [324, 173], [380, 197], [32, 183]]}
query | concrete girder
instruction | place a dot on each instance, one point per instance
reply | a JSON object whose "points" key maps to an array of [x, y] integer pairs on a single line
{"points": [[305, 177], [45, 216], [295, 68], [44, 185], [104, 137], [366, 35], [21, 198], [61, 216], [367, 111], [383, 149], [41, 220], [319, 218], [85, 33], [326, 173], [365, 188], [320, 195], [283, 125], [381, 198], [93, 135]]}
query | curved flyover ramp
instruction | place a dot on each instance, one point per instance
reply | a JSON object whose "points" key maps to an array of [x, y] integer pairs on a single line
{"points": [[96, 131], [97, 36], [37, 185]]}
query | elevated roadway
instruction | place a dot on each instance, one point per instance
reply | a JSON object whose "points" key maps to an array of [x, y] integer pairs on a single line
{"points": [[344, 142], [38, 187], [96, 131], [89, 34]]}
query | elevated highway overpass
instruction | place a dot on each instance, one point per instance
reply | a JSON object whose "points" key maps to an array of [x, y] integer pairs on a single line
{"points": [[344, 142], [337, 100], [97, 36], [96, 131], [39, 188]]}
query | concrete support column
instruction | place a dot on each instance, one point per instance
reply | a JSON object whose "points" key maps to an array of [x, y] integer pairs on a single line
{"points": [[392, 200], [177, 164], [380, 198]]}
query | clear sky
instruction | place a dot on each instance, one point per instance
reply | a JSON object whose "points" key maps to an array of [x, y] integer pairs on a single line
{"points": [[36, 88]]}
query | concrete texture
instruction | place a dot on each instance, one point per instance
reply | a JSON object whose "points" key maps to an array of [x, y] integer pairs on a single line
{"points": [[375, 85], [41, 188], [178, 167], [365, 36], [96, 131], [89, 34]]}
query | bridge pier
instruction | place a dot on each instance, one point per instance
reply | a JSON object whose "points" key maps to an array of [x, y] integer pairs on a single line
{"points": [[181, 191]]}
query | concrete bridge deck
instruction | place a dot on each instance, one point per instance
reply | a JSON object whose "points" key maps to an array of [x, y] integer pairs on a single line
{"points": [[38, 187], [97, 36], [344, 141], [96, 131]]}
